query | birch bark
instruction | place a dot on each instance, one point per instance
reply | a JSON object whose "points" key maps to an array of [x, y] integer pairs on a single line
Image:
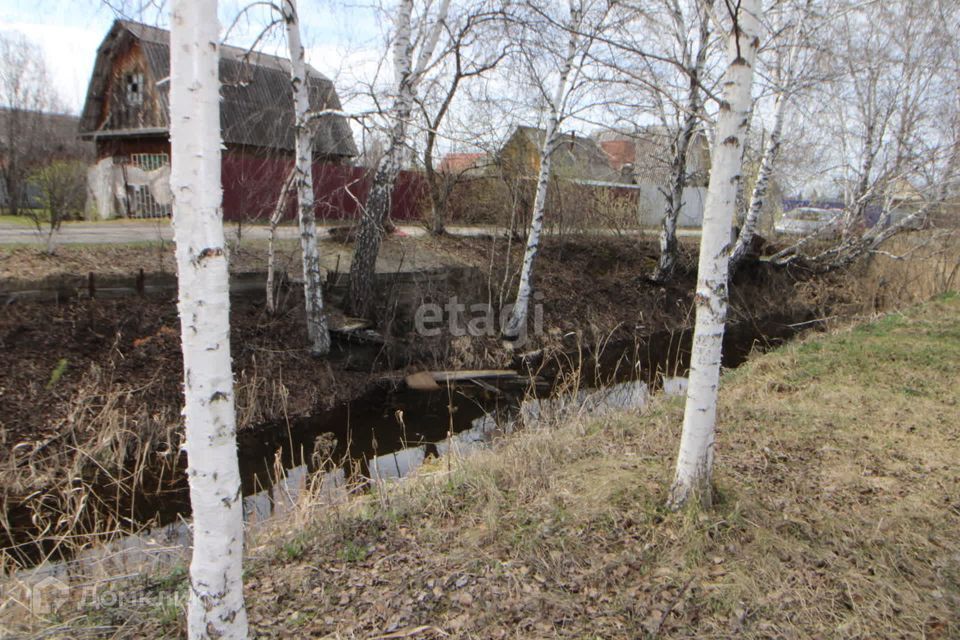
{"points": [[317, 330], [216, 595], [786, 77], [516, 324], [407, 77], [695, 459], [759, 195], [275, 217], [668, 232]]}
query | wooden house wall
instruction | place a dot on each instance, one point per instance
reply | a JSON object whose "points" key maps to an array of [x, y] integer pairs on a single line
{"points": [[125, 147], [519, 157], [117, 112]]}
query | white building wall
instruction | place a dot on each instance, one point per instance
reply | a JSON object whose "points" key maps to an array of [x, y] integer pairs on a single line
{"points": [[652, 204]]}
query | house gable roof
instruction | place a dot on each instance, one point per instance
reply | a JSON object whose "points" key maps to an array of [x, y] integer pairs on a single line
{"points": [[576, 157], [257, 103]]}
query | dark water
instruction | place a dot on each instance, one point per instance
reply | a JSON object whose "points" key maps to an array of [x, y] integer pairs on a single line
{"points": [[386, 433], [382, 434], [360, 436]]}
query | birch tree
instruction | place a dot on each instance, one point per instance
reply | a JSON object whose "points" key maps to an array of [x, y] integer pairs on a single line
{"points": [[412, 57], [25, 94], [695, 459], [317, 330], [278, 210], [215, 608], [286, 14], [518, 316], [474, 48], [533, 26], [880, 119], [693, 64], [663, 55], [787, 79]]}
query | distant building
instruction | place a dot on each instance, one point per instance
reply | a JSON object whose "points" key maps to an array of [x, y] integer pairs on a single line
{"points": [[457, 164], [646, 155], [634, 166], [127, 116], [575, 158], [643, 158]]}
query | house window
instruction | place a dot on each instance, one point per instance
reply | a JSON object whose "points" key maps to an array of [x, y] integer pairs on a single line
{"points": [[149, 161], [134, 88]]}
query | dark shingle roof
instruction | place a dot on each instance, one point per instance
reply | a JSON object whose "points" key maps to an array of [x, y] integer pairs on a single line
{"points": [[257, 104]]}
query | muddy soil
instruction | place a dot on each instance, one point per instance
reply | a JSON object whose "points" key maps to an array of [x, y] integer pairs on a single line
{"points": [[596, 290], [103, 377], [130, 349], [593, 290]]}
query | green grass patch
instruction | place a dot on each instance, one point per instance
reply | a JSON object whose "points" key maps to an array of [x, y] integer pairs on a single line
{"points": [[57, 373], [19, 220]]}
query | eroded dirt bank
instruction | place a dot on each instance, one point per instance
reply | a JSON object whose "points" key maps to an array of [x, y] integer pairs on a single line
{"points": [[124, 353], [90, 389]]}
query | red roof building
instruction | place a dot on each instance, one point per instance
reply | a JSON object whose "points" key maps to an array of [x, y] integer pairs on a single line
{"points": [[460, 162]]}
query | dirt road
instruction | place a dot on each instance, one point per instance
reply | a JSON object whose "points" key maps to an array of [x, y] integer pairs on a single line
{"points": [[140, 231]]}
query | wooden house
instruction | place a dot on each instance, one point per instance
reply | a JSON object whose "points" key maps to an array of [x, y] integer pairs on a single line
{"points": [[644, 158], [127, 116], [645, 155], [575, 158]]}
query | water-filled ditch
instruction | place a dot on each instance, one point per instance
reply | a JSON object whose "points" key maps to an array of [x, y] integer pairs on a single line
{"points": [[389, 431]]}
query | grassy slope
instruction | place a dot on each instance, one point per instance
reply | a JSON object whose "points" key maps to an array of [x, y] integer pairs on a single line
{"points": [[839, 516]]}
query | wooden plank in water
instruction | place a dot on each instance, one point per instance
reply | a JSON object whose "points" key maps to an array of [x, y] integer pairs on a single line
{"points": [[485, 386], [421, 381], [473, 376], [460, 376], [350, 324]]}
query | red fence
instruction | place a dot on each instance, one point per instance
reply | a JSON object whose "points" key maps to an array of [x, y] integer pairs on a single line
{"points": [[251, 184]]}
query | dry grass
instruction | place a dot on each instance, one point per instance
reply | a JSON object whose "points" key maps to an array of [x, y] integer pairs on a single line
{"points": [[73, 490], [79, 486], [837, 516], [156, 255], [913, 267]]}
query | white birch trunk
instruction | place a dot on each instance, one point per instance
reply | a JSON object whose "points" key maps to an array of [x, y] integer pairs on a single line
{"points": [[695, 460], [271, 242], [674, 201], [51, 244], [768, 163], [216, 607], [517, 323], [759, 195], [363, 267], [318, 332], [674, 198], [377, 209]]}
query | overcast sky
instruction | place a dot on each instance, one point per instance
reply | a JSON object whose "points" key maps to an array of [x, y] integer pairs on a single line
{"points": [[344, 41]]}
